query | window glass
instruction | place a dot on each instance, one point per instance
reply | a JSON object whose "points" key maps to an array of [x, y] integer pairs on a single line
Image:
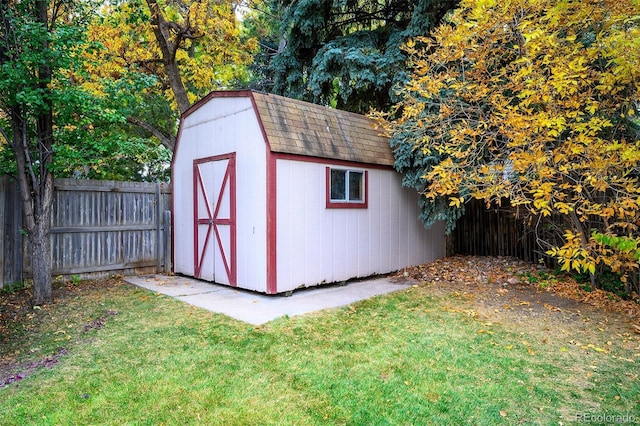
{"points": [[338, 184], [355, 186], [346, 186]]}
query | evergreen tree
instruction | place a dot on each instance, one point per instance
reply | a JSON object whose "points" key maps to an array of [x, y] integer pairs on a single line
{"points": [[346, 53]]}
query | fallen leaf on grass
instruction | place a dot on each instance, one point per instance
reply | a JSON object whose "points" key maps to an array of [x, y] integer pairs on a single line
{"points": [[552, 308], [468, 312], [595, 348]]}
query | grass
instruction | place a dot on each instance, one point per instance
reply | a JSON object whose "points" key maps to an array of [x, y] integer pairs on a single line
{"points": [[401, 359]]}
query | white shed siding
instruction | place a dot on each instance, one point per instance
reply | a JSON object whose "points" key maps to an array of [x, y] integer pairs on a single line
{"points": [[223, 126], [299, 207], [284, 177], [317, 245]]}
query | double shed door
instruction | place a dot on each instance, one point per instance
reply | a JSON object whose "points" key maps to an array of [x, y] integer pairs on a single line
{"points": [[214, 189]]}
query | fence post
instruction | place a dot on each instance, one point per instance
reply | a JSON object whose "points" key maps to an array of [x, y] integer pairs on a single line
{"points": [[167, 242], [3, 214], [158, 227]]}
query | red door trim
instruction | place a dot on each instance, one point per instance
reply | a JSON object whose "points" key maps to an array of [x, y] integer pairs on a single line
{"points": [[272, 262], [229, 259]]}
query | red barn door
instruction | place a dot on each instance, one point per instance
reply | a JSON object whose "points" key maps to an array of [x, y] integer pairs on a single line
{"points": [[214, 190]]}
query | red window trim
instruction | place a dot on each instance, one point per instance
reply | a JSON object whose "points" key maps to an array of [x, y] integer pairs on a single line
{"points": [[346, 204]]}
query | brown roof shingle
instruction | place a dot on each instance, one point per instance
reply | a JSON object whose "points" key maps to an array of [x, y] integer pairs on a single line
{"points": [[303, 128]]}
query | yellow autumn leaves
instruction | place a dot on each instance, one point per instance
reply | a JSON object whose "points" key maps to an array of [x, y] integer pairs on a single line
{"points": [[534, 101], [210, 53]]}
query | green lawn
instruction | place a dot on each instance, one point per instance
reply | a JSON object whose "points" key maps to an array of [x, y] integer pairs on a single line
{"points": [[403, 359]]}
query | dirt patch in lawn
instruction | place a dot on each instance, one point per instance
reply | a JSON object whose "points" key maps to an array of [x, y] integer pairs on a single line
{"points": [[26, 341], [509, 290]]}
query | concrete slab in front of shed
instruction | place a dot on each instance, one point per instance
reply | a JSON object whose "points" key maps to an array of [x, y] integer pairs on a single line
{"points": [[256, 308]]}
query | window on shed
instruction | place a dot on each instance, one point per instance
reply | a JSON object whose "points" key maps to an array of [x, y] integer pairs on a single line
{"points": [[346, 188]]}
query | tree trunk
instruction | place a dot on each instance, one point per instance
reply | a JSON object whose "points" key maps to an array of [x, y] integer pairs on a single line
{"points": [[168, 47], [584, 242], [38, 201], [41, 263], [36, 191]]}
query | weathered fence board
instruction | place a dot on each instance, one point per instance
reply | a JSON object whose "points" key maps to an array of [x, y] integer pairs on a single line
{"points": [[11, 243], [98, 228]]}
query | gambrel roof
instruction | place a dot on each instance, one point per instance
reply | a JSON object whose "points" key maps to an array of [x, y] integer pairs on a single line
{"points": [[302, 128]]}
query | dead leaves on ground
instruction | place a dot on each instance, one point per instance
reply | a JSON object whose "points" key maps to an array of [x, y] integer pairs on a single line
{"points": [[500, 289], [501, 275]]}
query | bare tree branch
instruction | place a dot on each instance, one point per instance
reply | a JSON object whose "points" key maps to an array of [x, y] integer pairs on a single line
{"points": [[166, 140]]}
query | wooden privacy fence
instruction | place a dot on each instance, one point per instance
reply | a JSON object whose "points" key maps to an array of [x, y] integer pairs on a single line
{"points": [[98, 228], [494, 232]]}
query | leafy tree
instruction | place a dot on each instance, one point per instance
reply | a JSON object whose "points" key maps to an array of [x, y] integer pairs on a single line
{"points": [[534, 102], [262, 21], [93, 140], [161, 56], [346, 53], [40, 42]]}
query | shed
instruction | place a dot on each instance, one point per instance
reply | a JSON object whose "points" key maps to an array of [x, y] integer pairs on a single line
{"points": [[273, 194]]}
